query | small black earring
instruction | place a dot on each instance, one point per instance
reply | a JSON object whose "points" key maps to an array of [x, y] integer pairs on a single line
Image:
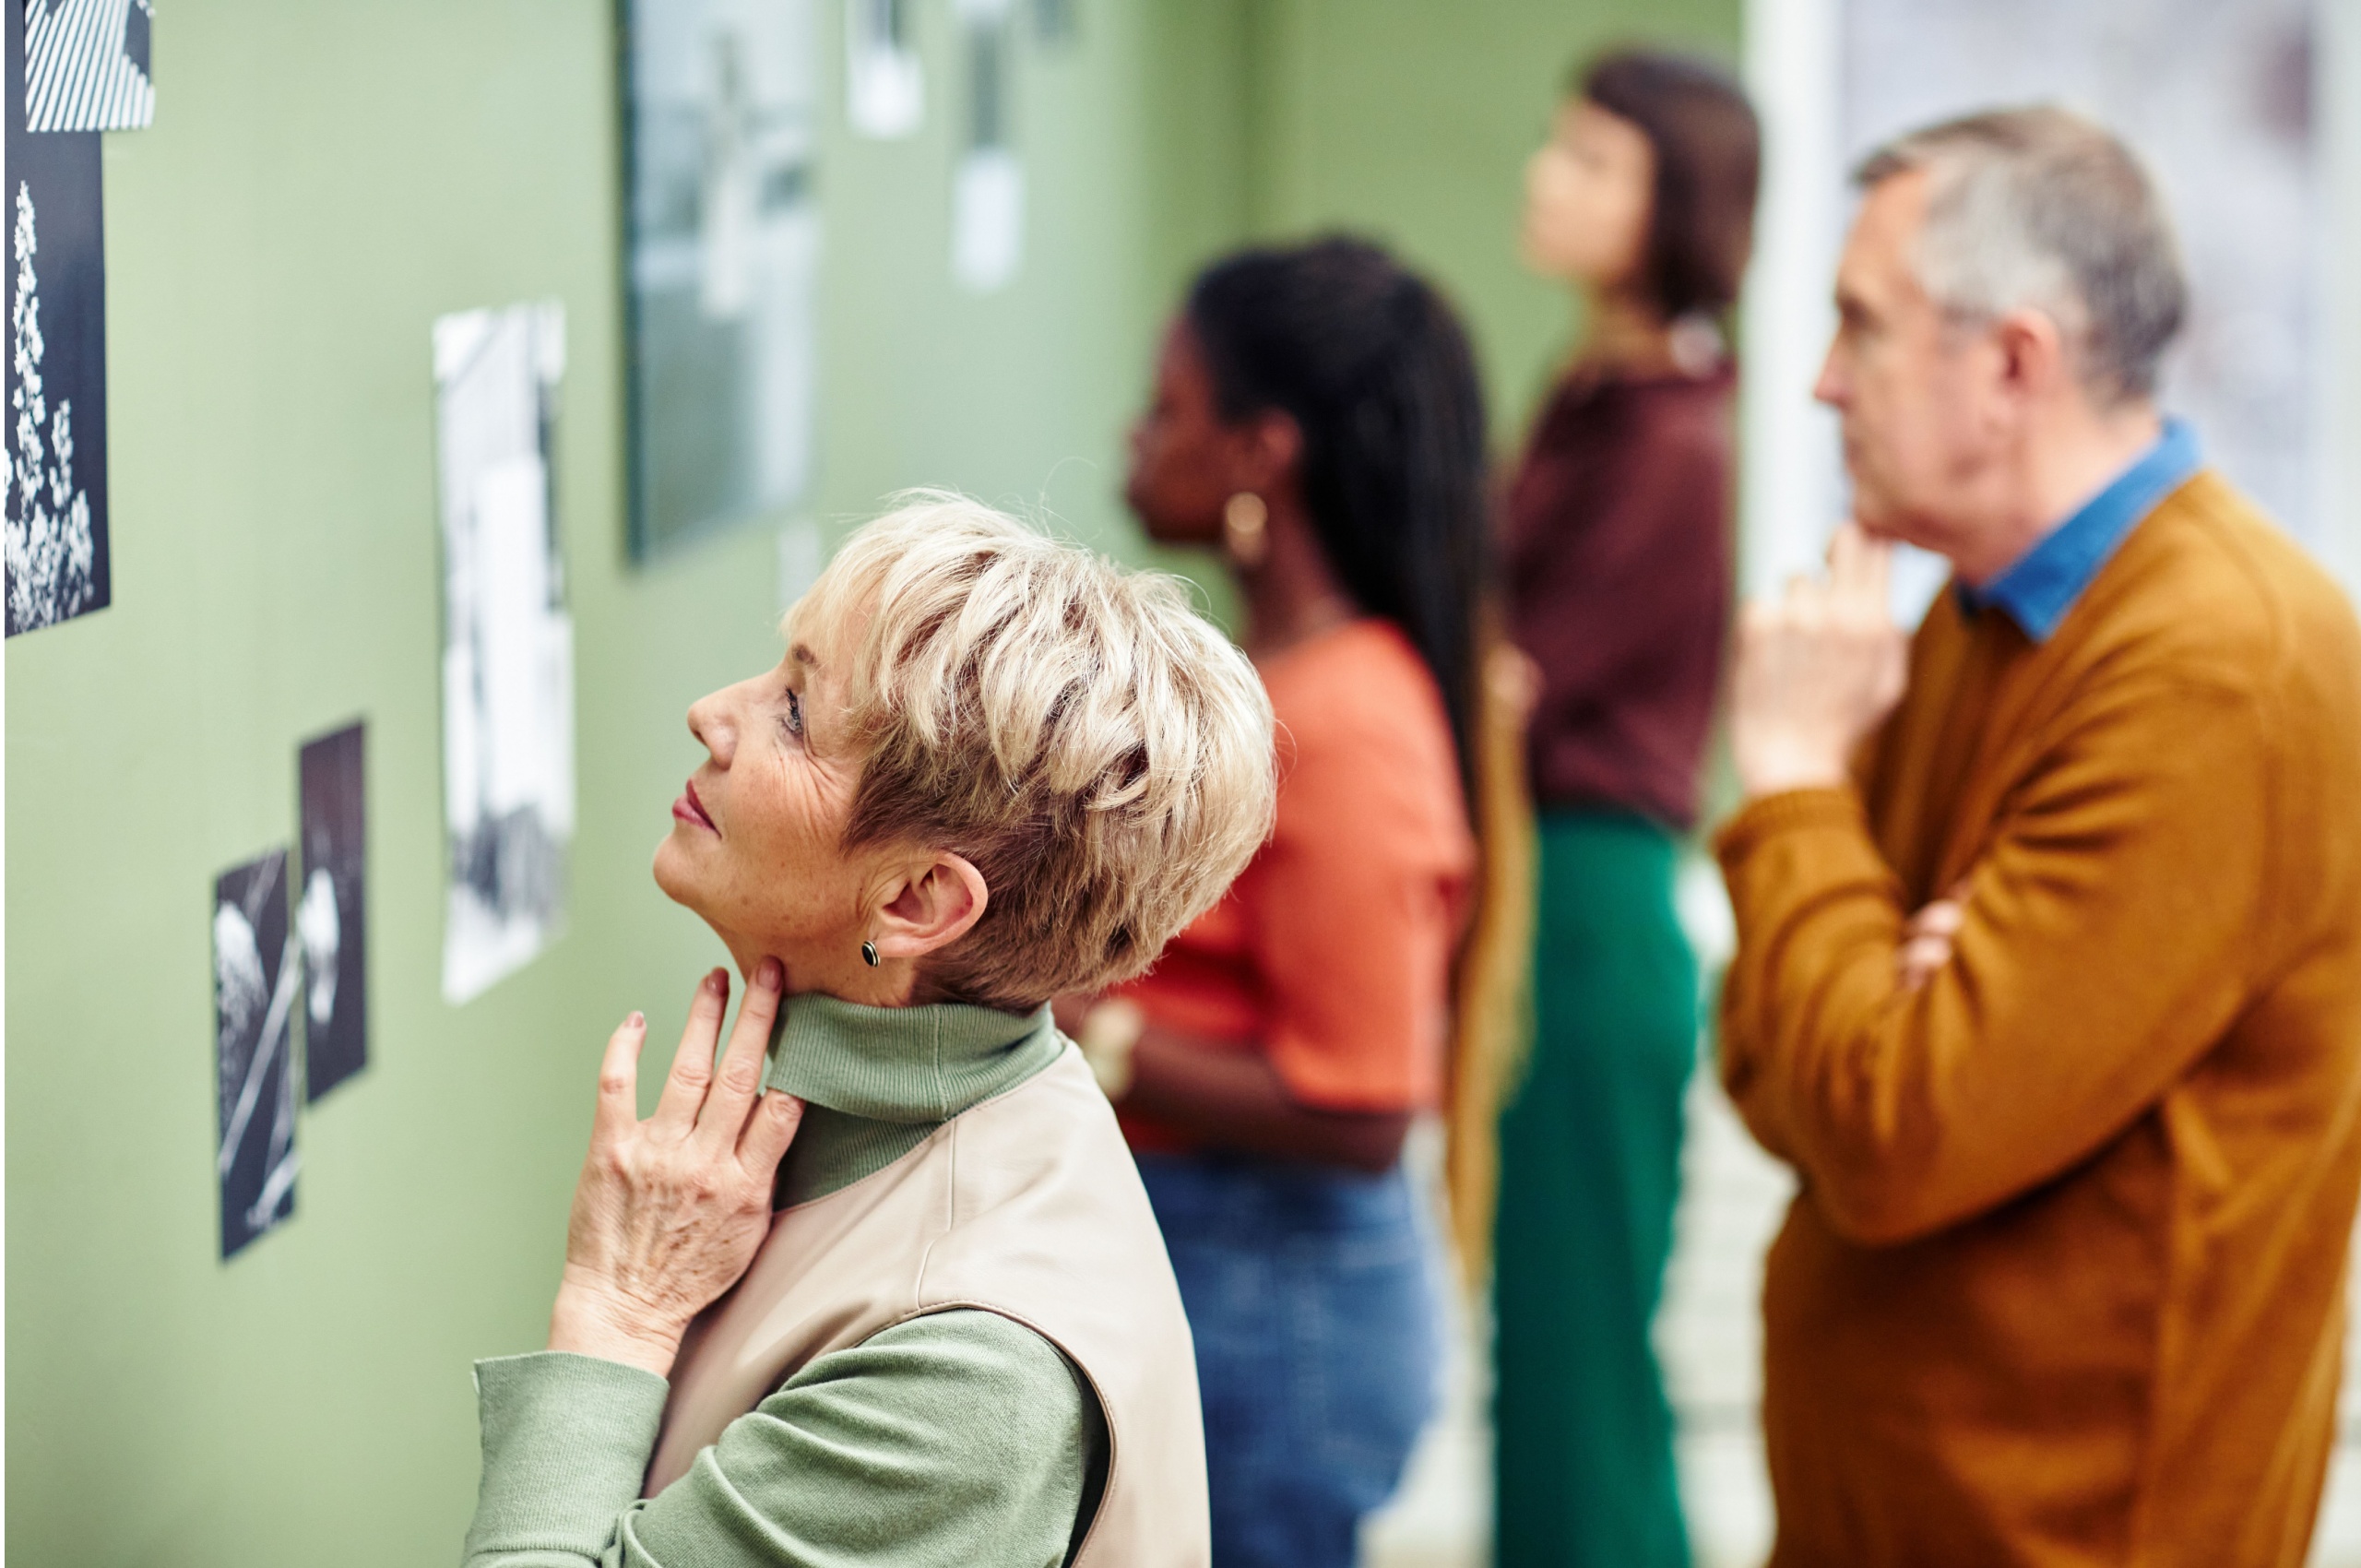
{"points": [[869, 954]]}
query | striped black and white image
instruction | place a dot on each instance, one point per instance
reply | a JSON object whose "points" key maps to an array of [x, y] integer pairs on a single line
{"points": [[256, 974], [53, 423], [86, 65]]}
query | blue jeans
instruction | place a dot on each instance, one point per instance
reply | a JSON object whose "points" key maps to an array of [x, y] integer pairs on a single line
{"points": [[1310, 1295]]}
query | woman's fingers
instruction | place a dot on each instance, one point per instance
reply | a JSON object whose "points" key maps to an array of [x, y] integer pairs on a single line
{"points": [[676, 1108], [741, 1072], [618, 1080], [768, 1133]]}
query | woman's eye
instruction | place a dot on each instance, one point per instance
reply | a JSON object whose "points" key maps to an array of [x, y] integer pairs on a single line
{"points": [[794, 720]]}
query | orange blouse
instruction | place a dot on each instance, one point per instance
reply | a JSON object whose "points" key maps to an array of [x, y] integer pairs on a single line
{"points": [[1332, 953]]}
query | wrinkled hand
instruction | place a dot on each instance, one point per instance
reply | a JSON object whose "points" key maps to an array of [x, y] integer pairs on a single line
{"points": [[669, 1211], [1926, 940], [1818, 669]]}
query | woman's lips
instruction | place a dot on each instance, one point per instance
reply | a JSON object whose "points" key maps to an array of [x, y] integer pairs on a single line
{"points": [[691, 810]]}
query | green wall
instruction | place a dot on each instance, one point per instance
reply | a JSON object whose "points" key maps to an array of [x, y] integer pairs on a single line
{"points": [[320, 183]]}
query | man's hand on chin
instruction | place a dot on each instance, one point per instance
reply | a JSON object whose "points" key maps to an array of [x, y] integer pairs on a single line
{"points": [[1818, 669]]}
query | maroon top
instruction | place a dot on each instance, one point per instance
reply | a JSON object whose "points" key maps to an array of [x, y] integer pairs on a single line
{"points": [[1619, 582]]}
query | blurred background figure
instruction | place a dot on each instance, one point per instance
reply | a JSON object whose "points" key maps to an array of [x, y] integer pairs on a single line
{"points": [[1619, 581], [1316, 417]]}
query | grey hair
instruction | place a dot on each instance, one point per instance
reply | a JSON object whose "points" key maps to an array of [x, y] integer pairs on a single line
{"points": [[2040, 209]]}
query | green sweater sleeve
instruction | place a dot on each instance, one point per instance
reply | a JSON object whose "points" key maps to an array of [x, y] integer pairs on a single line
{"points": [[957, 1438]]}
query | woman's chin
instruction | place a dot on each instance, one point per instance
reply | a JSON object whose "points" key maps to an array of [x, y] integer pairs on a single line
{"points": [[673, 874]]}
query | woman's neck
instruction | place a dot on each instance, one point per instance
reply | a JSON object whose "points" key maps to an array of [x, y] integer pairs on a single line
{"points": [[1291, 594], [1627, 335]]}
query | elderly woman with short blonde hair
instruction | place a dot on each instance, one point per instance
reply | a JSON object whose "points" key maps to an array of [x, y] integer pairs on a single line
{"points": [[879, 1283]]}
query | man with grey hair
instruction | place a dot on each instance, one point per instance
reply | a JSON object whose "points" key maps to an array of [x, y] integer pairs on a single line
{"points": [[2048, 979]]}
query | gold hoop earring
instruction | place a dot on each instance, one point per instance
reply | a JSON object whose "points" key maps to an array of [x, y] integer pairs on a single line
{"points": [[869, 954], [1245, 530]]}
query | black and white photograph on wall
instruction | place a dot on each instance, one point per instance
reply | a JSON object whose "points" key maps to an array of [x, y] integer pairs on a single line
{"points": [[87, 64], [53, 539], [508, 642], [987, 188], [331, 919], [722, 265], [884, 77], [257, 972]]}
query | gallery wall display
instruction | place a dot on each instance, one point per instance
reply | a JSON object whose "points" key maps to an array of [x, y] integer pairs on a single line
{"points": [[256, 973], [508, 642], [331, 914], [723, 241]]}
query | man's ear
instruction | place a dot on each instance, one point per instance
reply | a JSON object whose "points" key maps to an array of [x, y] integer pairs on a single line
{"points": [[938, 902], [2035, 358]]}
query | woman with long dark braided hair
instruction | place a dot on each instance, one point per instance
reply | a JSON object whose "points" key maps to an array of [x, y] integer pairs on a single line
{"points": [[1317, 419]]}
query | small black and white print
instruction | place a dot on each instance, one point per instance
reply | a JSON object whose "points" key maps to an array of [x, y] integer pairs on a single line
{"points": [[329, 912], [54, 425], [256, 973], [87, 64]]}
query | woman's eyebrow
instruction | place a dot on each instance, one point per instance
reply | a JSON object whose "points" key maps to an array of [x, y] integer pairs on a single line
{"points": [[802, 653]]}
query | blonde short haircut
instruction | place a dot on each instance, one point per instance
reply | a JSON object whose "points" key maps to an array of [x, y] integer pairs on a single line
{"points": [[1098, 751]]}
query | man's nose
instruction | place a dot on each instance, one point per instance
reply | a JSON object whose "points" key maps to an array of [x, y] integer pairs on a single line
{"points": [[1830, 388]]}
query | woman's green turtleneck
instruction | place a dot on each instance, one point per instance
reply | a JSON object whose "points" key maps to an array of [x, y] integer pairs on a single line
{"points": [[957, 1438]]}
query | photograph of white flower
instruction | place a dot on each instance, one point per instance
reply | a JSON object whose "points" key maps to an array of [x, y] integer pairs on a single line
{"points": [[53, 456], [508, 642], [722, 261], [257, 972]]}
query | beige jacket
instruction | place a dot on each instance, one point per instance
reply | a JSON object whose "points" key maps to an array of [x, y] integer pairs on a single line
{"points": [[1027, 1206]]}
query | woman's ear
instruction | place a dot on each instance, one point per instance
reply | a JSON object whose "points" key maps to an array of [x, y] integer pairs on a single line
{"points": [[937, 903], [1274, 448]]}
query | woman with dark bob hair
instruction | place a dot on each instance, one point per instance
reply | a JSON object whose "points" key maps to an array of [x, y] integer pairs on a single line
{"points": [[1618, 579], [880, 1283], [1316, 418]]}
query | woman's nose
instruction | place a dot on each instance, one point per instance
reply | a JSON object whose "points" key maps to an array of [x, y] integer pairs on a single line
{"points": [[711, 723]]}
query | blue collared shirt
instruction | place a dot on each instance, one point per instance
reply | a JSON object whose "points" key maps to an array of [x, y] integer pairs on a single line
{"points": [[2043, 585]]}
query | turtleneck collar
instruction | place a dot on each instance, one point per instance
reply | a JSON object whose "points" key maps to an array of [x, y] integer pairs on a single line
{"points": [[875, 1081]]}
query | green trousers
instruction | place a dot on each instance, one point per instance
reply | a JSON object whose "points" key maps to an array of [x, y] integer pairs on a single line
{"points": [[1590, 1168]]}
